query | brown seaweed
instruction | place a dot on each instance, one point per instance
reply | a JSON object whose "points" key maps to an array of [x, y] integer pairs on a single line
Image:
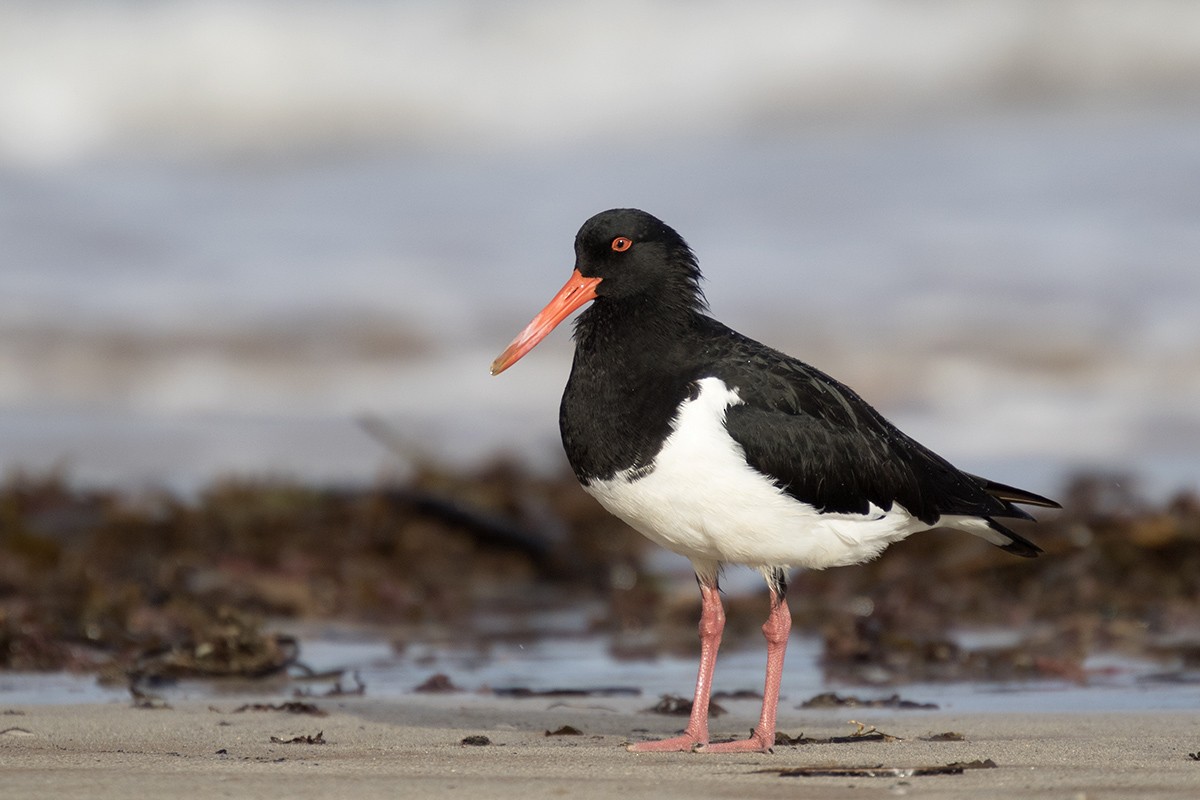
{"points": [[477, 740], [288, 708], [676, 706], [302, 739], [565, 730], [862, 734], [156, 588], [835, 700]]}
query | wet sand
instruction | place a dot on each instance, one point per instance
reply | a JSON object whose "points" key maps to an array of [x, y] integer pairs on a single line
{"points": [[412, 748]]}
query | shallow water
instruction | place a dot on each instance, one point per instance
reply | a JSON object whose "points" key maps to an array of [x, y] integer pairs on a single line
{"points": [[586, 663]]}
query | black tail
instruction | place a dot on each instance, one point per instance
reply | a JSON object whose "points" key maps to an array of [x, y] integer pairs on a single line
{"points": [[1018, 545], [1009, 495], [1012, 494]]}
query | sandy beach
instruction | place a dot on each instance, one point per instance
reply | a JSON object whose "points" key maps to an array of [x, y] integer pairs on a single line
{"points": [[414, 749]]}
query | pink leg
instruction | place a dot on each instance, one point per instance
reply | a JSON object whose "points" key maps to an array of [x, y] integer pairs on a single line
{"points": [[712, 622], [762, 738]]}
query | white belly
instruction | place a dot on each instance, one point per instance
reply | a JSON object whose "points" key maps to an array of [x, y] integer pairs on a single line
{"points": [[703, 501]]}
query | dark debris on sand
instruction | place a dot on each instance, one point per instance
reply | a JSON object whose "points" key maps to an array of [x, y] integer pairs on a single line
{"points": [[301, 739], [565, 730], [438, 683], [862, 733], [881, 771], [675, 706], [149, 588], [287, 708], [835, 700], [477, 740]]}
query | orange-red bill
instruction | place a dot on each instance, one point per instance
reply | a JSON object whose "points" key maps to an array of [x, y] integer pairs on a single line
{"points": [[577, 291]]}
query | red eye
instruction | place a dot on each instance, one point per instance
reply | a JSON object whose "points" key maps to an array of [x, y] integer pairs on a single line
{"points": [[621, 244]]}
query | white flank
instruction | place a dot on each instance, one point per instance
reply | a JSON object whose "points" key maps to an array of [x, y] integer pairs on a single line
{"points": [[703, 501]]}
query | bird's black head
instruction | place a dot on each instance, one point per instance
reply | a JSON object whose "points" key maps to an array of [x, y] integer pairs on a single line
{"points": [[636, 255], [639, 272]]}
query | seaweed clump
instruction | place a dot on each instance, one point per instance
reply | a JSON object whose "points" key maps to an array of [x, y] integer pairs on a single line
{"points": [[150, 585], [1118, 575]]}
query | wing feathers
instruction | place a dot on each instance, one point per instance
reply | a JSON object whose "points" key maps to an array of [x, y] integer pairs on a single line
{"points": [[826, 446]]}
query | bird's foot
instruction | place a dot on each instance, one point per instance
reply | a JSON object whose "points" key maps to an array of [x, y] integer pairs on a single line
{"points": [[676, 744], [759, 742]]}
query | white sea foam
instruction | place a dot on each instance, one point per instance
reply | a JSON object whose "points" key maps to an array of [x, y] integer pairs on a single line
{"points": [[84, 78]]}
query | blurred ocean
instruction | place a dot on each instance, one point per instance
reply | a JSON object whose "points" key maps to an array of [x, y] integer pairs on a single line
{"points": [[231, 230]]}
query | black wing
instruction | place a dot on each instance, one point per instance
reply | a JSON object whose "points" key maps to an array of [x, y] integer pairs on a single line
{"points": [[825, 446]]}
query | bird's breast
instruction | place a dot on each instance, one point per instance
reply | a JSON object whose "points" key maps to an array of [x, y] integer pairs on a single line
{"points": [[616, 416]]}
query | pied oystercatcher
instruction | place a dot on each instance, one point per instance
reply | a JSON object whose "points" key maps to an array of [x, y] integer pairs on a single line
{"points": [[726, 451]]}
